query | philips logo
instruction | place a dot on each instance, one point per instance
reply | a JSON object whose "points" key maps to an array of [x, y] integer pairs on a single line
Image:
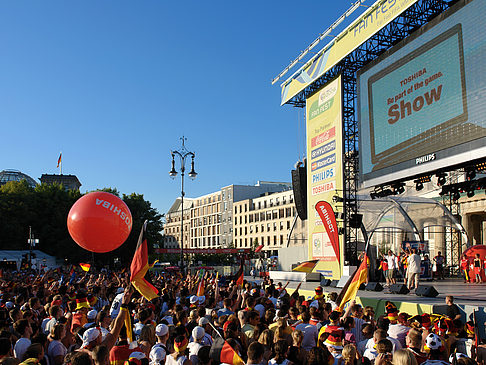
{"points": [[426, 158], [323, 175]]}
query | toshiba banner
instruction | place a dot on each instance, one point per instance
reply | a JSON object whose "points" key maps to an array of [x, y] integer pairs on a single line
{"points": [[324, 176]]}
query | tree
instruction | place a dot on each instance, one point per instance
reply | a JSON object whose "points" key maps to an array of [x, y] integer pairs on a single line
{"points": [[45, 210]]}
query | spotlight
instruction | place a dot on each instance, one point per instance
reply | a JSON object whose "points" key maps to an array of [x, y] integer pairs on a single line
{"points": [[470, 174], [441, 178], [419, 186], [470, 193]]}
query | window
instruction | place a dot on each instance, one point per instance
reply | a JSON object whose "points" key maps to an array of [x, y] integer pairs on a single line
{"points": [[271, 202], [274, 226], [268, 227]]}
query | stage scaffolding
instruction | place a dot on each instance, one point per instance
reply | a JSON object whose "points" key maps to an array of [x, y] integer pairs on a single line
{"points": [[401, 27]]}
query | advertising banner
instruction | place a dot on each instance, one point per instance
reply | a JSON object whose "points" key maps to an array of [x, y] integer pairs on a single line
{"points": [[325, 177], [422, 103], [374, 19]]}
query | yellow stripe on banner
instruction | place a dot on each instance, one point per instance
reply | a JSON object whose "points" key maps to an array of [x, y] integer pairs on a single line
{"points": [[381, 13]]}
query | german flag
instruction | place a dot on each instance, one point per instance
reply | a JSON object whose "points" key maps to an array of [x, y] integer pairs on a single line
{"points": [[239, 276], [348, 292], [59, 159], [306, 266], [140, 266], [200, 287], [222, 352], [85, 267]]}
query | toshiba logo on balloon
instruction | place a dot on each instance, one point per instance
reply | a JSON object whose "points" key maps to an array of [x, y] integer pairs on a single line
{"points": [[114, 209]]}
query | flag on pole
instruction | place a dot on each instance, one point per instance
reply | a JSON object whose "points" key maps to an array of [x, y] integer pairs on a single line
{"points": [[140, 266], [222, 352], [349, 291], [239, 276], [200, 287], [59, 159], [306, 266]]}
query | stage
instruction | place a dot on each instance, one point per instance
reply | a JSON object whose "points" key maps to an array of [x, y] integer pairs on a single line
{"points": [[468, 297]]}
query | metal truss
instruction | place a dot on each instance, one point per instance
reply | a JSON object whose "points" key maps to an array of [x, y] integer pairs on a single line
{"points": [[452, 237], [413, 18]]}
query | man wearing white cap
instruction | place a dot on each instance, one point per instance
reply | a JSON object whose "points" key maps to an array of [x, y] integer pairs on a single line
{"points": [[91, 339], [159, 350], [91, 318], [207, 339], [194, 346]]}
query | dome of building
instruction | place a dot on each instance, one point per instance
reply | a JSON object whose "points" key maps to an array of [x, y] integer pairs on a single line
{"points": [[15, 175]]}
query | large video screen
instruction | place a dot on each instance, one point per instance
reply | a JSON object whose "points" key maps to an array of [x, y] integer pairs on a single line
{"points": [[422, 104]]}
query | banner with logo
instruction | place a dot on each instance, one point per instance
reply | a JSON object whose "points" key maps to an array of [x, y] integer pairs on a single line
{"points": [[381, 13], [324, 173]]}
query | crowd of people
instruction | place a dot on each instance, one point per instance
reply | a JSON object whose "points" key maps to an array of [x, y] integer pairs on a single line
{"points": [[98, 319]]}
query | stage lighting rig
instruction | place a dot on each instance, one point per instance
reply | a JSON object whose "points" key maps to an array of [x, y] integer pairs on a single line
{"points": [[441, 178]]}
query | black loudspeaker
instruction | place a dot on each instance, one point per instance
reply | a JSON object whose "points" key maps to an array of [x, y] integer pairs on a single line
{"points": [[334, 283], [374, 287], [362, 287], [299, 185], [399, 289], [325, 282], [426, 291], [355, 220]]}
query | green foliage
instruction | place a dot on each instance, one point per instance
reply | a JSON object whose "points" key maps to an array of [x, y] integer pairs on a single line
{"points": [[46, 208]]}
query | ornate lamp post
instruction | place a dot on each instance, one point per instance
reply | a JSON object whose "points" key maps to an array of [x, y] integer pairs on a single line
{"points": [[183, 153]]}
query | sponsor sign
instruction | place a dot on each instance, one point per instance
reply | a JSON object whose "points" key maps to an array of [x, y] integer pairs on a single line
{"points": [[381, 13], [324, 171]]}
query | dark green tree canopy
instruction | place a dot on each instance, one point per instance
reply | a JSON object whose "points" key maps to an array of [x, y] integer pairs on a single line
{"points": [[45, 210]]}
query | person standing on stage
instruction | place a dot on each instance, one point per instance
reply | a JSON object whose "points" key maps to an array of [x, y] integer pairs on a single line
{"points": [[392, 266], [478, 268], [413, 271], [439, 264], [465, 268]]}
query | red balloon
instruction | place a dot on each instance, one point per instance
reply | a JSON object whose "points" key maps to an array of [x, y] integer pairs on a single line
{"points": [[99, 222]]}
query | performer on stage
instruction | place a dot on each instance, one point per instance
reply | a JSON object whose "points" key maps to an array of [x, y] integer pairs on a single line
{"points": [[478, 268], [465, 268]]}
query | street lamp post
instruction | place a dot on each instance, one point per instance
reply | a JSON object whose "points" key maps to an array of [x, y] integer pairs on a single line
{"points": [[183, 153]]}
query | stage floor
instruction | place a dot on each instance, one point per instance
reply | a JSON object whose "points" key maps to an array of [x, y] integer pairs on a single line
{"points": [[465, 294]]}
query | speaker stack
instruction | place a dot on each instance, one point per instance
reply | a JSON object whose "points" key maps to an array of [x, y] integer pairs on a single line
{"points": [[299, 185], [426, 291], [334, 283], [374, 287], [399, 289], [325, 282]]}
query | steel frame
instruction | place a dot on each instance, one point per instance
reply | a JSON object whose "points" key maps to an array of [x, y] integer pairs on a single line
{"points": [[401, 27]]}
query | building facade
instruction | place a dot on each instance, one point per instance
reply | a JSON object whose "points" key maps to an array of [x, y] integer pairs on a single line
{"points": [[206, 221], [236, 193], [270, 220], [70, 182], [172, 228]]}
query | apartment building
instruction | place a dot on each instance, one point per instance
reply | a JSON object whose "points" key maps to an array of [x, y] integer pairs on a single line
{"points": [[172, 228], [235, 193], [206, 221], [270, 220]]}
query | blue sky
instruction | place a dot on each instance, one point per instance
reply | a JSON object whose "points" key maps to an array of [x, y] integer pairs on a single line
{"points": [[115, 84]]}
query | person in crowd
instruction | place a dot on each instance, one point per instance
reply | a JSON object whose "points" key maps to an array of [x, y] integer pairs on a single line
{"points": [[414, 270]]}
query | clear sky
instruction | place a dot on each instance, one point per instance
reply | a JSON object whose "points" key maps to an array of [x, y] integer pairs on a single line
{"points": [[115, 84]]}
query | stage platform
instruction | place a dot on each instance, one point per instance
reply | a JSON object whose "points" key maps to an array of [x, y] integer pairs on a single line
{"points": [[468, 297]]}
